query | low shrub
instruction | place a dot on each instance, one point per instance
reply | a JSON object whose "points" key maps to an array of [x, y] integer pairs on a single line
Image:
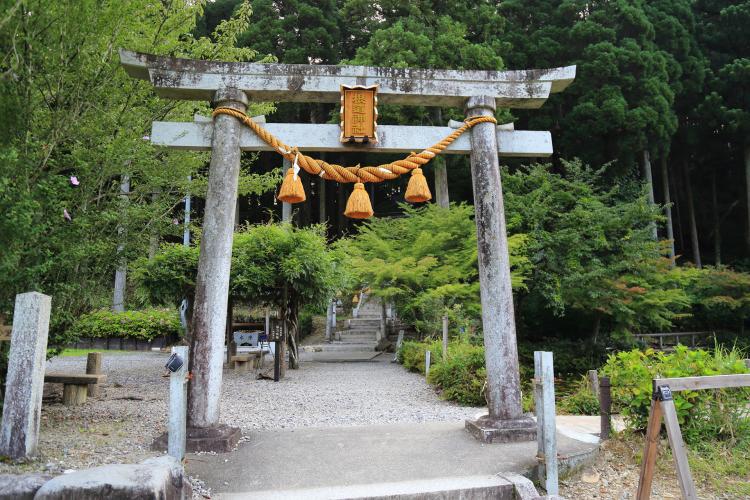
{"points": [[462, 376], [704, 414], [412, 354], [581, 401], [145, 324]]}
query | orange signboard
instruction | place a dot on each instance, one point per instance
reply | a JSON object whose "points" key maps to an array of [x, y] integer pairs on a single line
{"points": [[359, 113]]}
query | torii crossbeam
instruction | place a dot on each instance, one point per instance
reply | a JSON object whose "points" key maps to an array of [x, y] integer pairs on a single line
{"points": [[233, 85]]}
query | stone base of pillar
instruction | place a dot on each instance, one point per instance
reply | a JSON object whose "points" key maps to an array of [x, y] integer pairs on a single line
{"points": [[491, 430], [220, 439]]}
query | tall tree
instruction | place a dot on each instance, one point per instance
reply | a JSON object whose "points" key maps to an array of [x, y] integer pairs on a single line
{"points": [[724, 38], [77, 124]]}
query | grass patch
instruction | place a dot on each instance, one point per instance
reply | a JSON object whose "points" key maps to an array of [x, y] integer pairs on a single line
{"points": [[718, 467]]}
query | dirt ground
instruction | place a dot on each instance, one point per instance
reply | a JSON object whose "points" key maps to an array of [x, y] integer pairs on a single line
{"points": [[615, 475]]}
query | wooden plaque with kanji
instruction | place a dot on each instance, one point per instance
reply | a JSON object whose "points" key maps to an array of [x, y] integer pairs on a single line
{"points": [[359, 113]]}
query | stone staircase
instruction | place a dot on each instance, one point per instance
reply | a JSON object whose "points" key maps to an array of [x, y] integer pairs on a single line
{"points": [[358, 338]]}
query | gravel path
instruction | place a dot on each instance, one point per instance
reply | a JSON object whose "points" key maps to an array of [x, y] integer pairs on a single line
{"points": [[120, 424]]}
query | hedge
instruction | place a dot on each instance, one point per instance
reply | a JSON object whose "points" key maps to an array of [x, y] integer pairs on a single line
{"points": [[145, 324]]}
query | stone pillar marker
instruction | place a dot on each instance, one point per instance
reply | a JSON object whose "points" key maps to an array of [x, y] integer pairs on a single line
{"points": [[505, 421], [22, 407], [212, 283]]}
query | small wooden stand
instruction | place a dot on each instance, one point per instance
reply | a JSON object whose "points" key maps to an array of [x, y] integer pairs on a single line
{"points": [[662, 405]]}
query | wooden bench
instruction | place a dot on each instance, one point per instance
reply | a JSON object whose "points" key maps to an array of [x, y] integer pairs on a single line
{"points": [[242, 361], [75, 385]]}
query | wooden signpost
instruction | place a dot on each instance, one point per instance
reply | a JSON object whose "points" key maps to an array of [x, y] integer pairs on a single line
{"points": [[662, 405]]}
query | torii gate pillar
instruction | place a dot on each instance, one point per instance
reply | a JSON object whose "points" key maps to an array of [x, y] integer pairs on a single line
{"points": [[212, 283], [505, 421]]}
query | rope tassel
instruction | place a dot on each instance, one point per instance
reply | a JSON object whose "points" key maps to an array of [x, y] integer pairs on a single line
{"points": [[291, 190], [358, 206], [417, 190]]}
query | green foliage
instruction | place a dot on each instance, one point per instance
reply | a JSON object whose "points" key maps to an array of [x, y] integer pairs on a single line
{"points": [[265, 259], [145, 324], [581, 401], [426, 264], [590, 248], [721, 297], [268, 258], [572, 356], [460, 378], [169, 276], [69, 109], [705, 414]]}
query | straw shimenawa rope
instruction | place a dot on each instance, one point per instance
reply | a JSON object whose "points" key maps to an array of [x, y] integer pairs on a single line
{"points": [[338, 173]]}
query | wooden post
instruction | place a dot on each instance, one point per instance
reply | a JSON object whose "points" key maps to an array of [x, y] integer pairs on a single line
{"points": [[329, 319], [22, 408], [605, 408], [178, 406], [544, 378], [427, 356], [93, 367], [649, 454], [678, 450], [228, 335], [662, 405], [399, 341], [505, 420], [212, 280], [593, 377], [445, 338], [74, 394]]}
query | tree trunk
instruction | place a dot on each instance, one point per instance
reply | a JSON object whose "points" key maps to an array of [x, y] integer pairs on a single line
{"points": [[716, 220], [597, 326], [679, 219], [668, 208], [691, 217], [441, 172], [747, 186], [650, 187], [341, 221], [322, 202], [153, 240], [118, 298], [290, 312], [305, 214]]}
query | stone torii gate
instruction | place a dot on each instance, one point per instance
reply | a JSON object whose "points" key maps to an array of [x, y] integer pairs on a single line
{"points": [[233, 85]]}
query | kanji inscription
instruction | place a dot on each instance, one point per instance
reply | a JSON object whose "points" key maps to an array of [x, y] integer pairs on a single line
{"points": [[359, 114]]}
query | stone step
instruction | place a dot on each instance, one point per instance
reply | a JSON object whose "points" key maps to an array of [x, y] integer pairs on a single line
{"points": [[360, 331], [499, 487], [364, 321], [341, 347]]}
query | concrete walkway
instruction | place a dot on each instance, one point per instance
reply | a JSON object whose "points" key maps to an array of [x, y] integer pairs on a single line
{"points": [[296, 460]]}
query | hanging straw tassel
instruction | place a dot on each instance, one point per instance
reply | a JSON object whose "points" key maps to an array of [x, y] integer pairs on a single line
{"points": [[417, 190], [291, 190], [358, 206]]}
